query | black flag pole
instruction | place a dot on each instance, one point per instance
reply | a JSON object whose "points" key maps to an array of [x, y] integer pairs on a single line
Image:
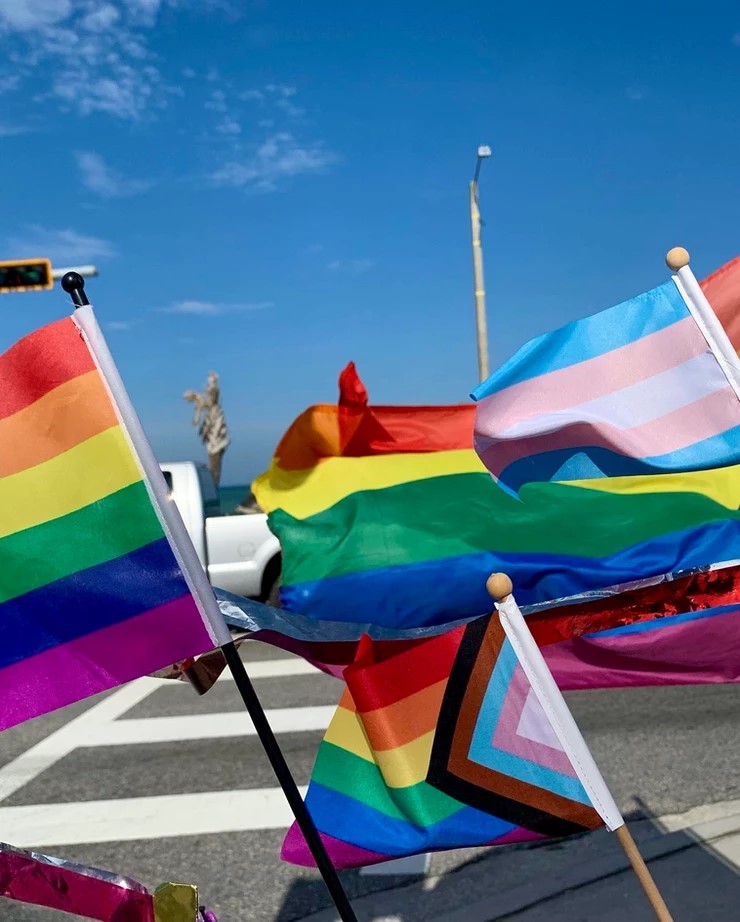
{"points": [[74, 284]]}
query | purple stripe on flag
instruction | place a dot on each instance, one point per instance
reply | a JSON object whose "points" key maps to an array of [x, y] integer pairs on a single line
{"points": [[345, 855], [692, 652], [612, 371], [710, 416], [342, 854], [101, 660]]}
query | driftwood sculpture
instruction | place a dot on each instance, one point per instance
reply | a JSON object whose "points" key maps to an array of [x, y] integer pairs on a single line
{"points": [[211, 423]]}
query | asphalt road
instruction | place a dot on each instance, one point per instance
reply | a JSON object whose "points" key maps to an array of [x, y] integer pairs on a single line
{"points": [[158, 784]]}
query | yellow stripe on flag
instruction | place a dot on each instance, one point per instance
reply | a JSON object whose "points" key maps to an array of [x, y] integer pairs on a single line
{"points": [[401, 767], [305, 493], [76, 478], [721, 485]]}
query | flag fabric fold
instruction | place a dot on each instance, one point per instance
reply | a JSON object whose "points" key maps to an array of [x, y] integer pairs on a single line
{"points": [[384, 533], [668, 630], [454, 741], [650, 386], [95, 587]]}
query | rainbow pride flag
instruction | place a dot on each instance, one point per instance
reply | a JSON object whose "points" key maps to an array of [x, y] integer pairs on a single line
{"points": [[386, 516], [646, 387], [93, 591], [459, 740]]}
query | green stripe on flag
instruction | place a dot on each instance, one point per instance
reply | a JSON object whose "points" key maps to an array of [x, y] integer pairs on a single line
{"points": [[95, 534], [466, 513], [419, 804]]}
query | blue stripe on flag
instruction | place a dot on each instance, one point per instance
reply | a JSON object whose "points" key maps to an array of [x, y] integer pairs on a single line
{"points": [[587, 463], [483, 751], [350, 820], [590, 337], [90, 600], [450, 588]]}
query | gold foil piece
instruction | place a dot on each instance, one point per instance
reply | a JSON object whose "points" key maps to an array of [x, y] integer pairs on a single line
{"points": [[176, 903]]}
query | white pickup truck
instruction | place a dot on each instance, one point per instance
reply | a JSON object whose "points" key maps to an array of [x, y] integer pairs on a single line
{"points": [[239, 552]]}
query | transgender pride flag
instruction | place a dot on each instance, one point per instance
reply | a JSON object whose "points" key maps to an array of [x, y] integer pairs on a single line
{"points": [[99, 583], [650, 386]]}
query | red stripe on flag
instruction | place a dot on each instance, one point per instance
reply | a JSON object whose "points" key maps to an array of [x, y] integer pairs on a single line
{"points": [[425, 663], [41, 362]]}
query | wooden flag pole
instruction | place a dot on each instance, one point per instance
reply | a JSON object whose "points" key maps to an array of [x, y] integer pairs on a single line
{"points": [[74, 285], [500, 587], [643, 874]]}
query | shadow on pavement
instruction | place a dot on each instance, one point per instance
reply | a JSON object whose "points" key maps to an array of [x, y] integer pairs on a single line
{"points": [[569, 880]]}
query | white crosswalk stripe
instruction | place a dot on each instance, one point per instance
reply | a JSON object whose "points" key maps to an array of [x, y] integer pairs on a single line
{"points": [[105, 724]]}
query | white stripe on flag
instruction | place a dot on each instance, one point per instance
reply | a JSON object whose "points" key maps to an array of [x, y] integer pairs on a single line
{"points": [[557, 711], [639, 403]]}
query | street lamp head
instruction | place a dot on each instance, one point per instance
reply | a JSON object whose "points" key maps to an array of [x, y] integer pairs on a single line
{"points": [[484, 151]]}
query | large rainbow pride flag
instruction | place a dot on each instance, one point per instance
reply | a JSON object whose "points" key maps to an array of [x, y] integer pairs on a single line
{"points": [[93, 592], [386, 516]]}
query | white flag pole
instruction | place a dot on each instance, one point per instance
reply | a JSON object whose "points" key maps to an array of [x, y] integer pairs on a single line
{"points": [[74, 285], [701, 310], [551, 699]]}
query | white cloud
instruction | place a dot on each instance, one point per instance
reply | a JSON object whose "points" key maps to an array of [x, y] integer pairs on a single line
{"points": [[229, 126], [279, 157], [65, 247], [9, 82], [10, 131], [33, 14], [736, 39], [277, 96], [352, 266], [119, 326], [96, 55], [635, 93], [104, 181], [100, 19], [213, 308]]}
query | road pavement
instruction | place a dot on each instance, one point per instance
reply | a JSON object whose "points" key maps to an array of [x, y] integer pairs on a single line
{"points": [[156, 783]]}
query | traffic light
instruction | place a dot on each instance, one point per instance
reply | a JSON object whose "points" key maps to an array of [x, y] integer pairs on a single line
{"points": [[25, 275]]}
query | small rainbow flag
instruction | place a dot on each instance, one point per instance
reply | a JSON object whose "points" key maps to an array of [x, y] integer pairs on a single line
{"points": [[93, 590], [459, 740]]}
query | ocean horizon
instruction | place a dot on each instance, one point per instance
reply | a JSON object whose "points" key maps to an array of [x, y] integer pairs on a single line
{"points": [[230, 496]]}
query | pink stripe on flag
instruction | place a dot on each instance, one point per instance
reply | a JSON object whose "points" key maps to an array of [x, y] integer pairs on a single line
{"points": [[689, 653], [101, 660], [711, 415], [597, 377], [506, 737]]}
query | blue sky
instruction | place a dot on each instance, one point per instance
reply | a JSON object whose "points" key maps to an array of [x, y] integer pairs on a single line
{"points": [[272, 188]]}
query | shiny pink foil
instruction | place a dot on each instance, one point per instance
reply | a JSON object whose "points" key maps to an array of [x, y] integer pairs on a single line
{"points": [[29, 877]]}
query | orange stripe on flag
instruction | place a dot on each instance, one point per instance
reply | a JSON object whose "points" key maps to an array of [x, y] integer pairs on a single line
{"points": [[58, 421], [400, 723]]}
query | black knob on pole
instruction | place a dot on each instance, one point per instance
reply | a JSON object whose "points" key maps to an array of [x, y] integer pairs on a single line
{"points": [[74, 284]]}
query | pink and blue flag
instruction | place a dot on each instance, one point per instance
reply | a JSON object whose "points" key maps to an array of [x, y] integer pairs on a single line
{"points": [[650, 386]]}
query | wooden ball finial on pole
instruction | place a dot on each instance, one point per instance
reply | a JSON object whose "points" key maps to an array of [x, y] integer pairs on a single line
{"points": [[499, 586], [677, 258]]}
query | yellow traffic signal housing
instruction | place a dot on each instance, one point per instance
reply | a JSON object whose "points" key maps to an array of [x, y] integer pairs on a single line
{"points": [[25, 275]]}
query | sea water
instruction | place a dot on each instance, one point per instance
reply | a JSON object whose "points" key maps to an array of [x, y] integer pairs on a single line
{"points": [[231, 496]]}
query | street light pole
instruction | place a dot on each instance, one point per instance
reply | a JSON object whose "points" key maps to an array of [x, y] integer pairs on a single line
{"points": [[478, 281]]}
